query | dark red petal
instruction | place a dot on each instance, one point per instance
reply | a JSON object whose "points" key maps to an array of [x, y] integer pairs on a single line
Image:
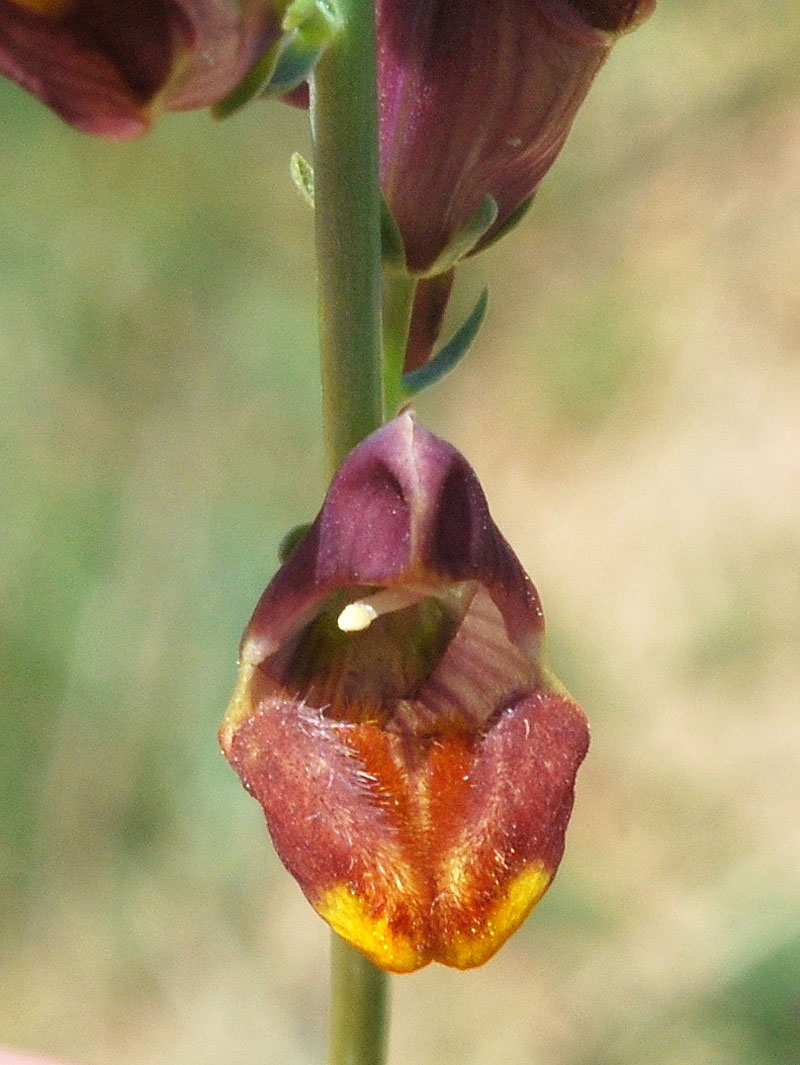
{"points": [[477, 99], [106, 66], [99, 65], [614, 15], [435, 851], [404, 508], [231, 36]]}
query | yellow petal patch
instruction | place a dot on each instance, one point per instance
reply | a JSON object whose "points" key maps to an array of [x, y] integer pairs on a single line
{"points": [[48, 8], [348, 916], [465, 950]]}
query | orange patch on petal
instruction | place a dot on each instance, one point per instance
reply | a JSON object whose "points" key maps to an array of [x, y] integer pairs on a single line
{"points": [[47, 8], [415, 849], [466, 893]]}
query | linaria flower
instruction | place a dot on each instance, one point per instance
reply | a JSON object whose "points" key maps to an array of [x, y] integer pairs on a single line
{"points": [[393, 716], [107, 67], [476, 100]]}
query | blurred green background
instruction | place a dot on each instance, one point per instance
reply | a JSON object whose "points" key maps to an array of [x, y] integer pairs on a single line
{"points": [[633, 409]]}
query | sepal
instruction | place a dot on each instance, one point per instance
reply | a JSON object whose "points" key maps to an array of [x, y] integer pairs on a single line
{"points": [[448, 357], [308, 28], [467, 238]]}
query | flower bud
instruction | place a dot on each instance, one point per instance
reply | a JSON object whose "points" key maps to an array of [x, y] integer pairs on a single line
{"points": [[476, 100], [108, 67], [414, 758]]}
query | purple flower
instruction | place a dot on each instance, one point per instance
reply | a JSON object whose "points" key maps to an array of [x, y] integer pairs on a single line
{"points": [[108, 67], [393, 716], [476, 100]]}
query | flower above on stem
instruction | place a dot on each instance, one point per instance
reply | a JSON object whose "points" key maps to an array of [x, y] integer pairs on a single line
{"points": [[393, 716], [108, 67], [476, 100]]}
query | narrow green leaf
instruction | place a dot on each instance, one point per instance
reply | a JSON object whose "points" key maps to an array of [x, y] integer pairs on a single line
{"points": [[295, 65], [451, 354], [309, 26], [319, 20]]}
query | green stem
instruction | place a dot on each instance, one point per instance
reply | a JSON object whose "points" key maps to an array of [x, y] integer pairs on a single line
{"points": [[344, 117], [398, 302], [358, 1007]]}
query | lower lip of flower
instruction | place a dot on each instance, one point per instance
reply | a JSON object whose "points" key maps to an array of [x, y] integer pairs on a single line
{"points": [[413, 848]]}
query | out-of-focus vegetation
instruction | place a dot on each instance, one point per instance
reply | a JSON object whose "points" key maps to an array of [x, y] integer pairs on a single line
{"points": [[633, 408]]}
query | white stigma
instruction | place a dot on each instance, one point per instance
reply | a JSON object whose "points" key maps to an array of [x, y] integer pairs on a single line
{"points": [[356, 617], [360, 614]]}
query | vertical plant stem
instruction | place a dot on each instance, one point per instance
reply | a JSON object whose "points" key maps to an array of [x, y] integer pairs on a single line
{"points": [[344, 118], [358, 1022]]}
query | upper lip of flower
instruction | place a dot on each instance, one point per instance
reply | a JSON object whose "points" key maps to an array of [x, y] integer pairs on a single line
{"points": [[421, 531]]}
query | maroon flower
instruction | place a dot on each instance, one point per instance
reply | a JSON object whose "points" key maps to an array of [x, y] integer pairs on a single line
{"points": [[414, 758], [108, 66], [476, 100]]}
